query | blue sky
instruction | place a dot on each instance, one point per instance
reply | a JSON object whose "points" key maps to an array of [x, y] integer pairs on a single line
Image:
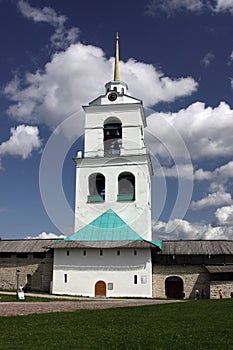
{"points": [[176, 55]]}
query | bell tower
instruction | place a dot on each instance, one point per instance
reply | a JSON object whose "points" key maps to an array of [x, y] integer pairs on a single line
{"points": [[114, 171]]}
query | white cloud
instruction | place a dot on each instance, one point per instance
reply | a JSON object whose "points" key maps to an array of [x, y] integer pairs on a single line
{"points": [[171, 7], [220, 174], [179, 170], [224, 216], [186, 230], [45, 235], [207, 59], [76, 76], [207, 132], [224, 6], [62, 37], [23, 140], [216, 199]]}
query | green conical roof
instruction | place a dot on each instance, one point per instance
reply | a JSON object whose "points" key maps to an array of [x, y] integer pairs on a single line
{"points": [[107, 227]]}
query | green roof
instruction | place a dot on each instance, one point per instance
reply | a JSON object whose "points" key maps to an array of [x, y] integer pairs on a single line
{"points": [[107, 227]]}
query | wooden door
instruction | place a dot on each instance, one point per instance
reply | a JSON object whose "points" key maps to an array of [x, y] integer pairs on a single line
{"points": [[174, 287], [100, 288]]}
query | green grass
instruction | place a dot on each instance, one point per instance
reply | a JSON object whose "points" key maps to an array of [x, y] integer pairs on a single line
{"points": [[190, 325], [12, 298]]}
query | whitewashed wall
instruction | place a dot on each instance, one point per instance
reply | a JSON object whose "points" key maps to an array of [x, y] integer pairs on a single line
{"points": [[84, 271], [137, 214]]}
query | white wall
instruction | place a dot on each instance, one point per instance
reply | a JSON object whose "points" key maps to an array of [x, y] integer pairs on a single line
{"points": [[84, 271], [137, 214], [132, 122]]}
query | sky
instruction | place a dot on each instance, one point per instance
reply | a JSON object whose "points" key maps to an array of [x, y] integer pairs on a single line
{"points": [[175, 55]]}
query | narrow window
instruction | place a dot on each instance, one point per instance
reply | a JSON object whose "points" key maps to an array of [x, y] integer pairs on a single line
{"points": [[118, 252], [101, 252], [67, 252], [135, 252], [126, 187], [135, 279], [84, 252], [65, 278]]}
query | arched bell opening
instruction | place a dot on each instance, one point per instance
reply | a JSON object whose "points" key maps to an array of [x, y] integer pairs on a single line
{"points": [[112, 137], [126, 187], [96, 188]]}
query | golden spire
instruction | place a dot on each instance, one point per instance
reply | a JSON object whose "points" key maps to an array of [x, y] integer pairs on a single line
{"points": [[116, 68]]}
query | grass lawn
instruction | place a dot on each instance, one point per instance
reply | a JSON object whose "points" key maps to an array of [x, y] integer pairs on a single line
{"points": [[204, 324], [12, 298]]}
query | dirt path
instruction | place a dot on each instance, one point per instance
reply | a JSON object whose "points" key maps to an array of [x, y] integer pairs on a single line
{"points": [[26, 308]]}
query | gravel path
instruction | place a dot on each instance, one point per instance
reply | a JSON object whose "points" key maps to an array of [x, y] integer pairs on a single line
{"points": [[26, 308]]}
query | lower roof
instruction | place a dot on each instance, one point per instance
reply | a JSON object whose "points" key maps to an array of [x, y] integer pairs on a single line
{"points": [[137, 244], [219, 268], [25, 245], [197, 247]]}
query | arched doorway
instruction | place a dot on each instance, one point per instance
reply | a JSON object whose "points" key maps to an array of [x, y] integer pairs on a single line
{"points": [[174, 287], [100, 288]]}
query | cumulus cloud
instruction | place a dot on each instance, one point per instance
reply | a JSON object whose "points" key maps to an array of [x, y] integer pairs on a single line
{"points": [[23, 140], [171, 7], [206, 131], [76, 76], [220, 174], [62, 37], [216, 199], [224, 6], [45, 235], [186, 230], [207, 59], [224, 216]]}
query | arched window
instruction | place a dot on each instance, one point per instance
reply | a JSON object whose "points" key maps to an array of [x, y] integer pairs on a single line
{"points": [[96, 188], [126, 187], [112, 137]]}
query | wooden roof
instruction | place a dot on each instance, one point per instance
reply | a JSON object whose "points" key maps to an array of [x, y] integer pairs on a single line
{"points": [[220, 268], [25, 245], [102, 244], [197, 247]]}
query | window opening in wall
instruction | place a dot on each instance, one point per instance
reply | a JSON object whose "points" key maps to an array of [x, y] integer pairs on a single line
{"points": [[5, 255], [39, 255], [101, 252], [96, 188], [22, 255], [65, 278], [135, 252], [126, 187], [84, 252], [110, 286], [135, 279], [118, 252], [67, 252], [112, 137]]}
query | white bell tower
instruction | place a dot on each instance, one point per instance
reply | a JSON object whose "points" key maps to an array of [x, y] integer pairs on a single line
{"points": [[114, 172]]}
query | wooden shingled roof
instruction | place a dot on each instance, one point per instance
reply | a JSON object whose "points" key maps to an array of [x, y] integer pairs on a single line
{"points": [[197, 247], [25, 245]]}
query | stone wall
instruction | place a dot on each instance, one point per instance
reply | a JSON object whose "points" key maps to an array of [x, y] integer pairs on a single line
{"points": [[226, 286], [40, 270], [193, 276]]}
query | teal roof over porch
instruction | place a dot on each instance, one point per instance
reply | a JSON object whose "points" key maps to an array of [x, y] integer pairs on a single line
{"points": [[107, 227]]}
